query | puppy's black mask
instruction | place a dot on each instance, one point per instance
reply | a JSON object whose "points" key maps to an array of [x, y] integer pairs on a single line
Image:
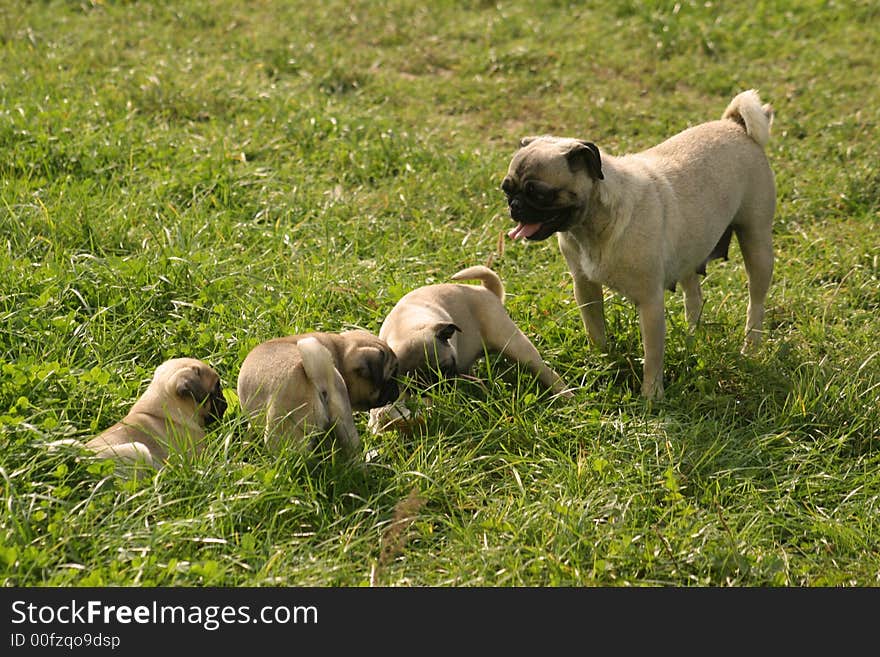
{"points": [[216, 405], [388, 388], [212, 399]]}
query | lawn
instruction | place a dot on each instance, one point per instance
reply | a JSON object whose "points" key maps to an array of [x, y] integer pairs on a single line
{"points": [[192, 178]]}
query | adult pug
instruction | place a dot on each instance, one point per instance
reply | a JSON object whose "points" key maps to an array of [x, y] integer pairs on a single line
{"points": [[296, 386], [182, 400], [445, 328], [643, 222]]}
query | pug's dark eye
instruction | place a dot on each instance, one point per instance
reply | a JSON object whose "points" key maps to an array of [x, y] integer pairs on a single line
{"points": [[536, 191], [508, 187]]}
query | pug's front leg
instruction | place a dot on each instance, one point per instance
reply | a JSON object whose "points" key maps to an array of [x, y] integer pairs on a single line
{"points": [[587, 293], [592, 306], [652, 323]]}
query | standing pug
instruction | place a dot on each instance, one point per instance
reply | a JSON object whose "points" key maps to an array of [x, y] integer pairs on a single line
{"points": [[297, 386], [642, 223], [182, 400]]}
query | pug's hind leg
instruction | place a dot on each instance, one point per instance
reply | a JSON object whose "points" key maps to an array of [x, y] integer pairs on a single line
{"points": [[287, 427], [340, 414], [693, 299], [756, 246]]}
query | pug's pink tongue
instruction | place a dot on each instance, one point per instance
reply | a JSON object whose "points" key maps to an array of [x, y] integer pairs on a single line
{"points": [[523, 230]]}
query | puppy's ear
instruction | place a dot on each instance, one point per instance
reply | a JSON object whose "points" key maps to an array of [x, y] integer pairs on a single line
{"points": [[525, 141], [445, 331], [371, 365], [189, 384], [585, 153]]}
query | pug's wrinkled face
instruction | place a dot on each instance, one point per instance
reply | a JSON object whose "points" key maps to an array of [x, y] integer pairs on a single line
{"points": [[429, 354], [548, 183], [370, 370]]}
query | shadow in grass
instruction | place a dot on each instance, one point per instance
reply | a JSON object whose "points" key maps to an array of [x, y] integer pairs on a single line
{"points": [[751, 389], [481, 406], [744, 417]]}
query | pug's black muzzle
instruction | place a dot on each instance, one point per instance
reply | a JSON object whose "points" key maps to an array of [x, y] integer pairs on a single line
{"points": [[390, 392], [216, 407], [552, 220]]}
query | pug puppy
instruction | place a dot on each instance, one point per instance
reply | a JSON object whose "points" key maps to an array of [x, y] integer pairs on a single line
{"points": [[183, 399], [443, 329], [642, 223], [295, 387]]}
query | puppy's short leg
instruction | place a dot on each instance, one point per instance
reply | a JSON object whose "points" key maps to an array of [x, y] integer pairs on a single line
{"points": [[757, 250], [340, 413], [592, 306], [519, 348], [287, 426], [693, 299], [653, 327], [135, 458]]}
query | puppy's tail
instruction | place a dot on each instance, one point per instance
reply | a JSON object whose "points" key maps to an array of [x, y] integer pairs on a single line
{"points": [[486, 276], [321, 371], [317, 362], [746, 110]]}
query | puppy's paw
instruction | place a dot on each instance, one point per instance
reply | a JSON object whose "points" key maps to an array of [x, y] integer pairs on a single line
{"points": [[386, 417], [564, 393], [64, 443], [395, 417]]}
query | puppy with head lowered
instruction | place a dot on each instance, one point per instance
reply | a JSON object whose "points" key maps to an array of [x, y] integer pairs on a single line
{"points": [[182, 400], [445, 328], [295, 387], [642, 223]]}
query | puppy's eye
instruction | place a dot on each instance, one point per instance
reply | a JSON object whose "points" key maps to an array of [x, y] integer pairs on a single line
{"points": [[508, 187]]}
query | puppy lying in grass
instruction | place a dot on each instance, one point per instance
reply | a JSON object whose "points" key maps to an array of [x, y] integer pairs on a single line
{"points": [[182, 400]]}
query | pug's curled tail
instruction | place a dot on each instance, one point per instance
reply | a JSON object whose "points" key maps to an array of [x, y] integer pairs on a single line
{"points": [[746, 110], [486, 276], [317, 362]]}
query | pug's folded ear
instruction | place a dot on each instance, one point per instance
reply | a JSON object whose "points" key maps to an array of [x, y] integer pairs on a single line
{"points": [[586, 153], [445, 330], [371, 365], [189, 384]]}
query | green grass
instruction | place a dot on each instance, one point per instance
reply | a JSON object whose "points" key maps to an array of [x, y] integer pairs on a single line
{"points": [[191, 178]]}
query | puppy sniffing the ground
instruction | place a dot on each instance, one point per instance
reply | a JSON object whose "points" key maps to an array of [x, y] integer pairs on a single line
{"points": [[443, 329], [643, 223], [295, 387], [183, 399]]}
